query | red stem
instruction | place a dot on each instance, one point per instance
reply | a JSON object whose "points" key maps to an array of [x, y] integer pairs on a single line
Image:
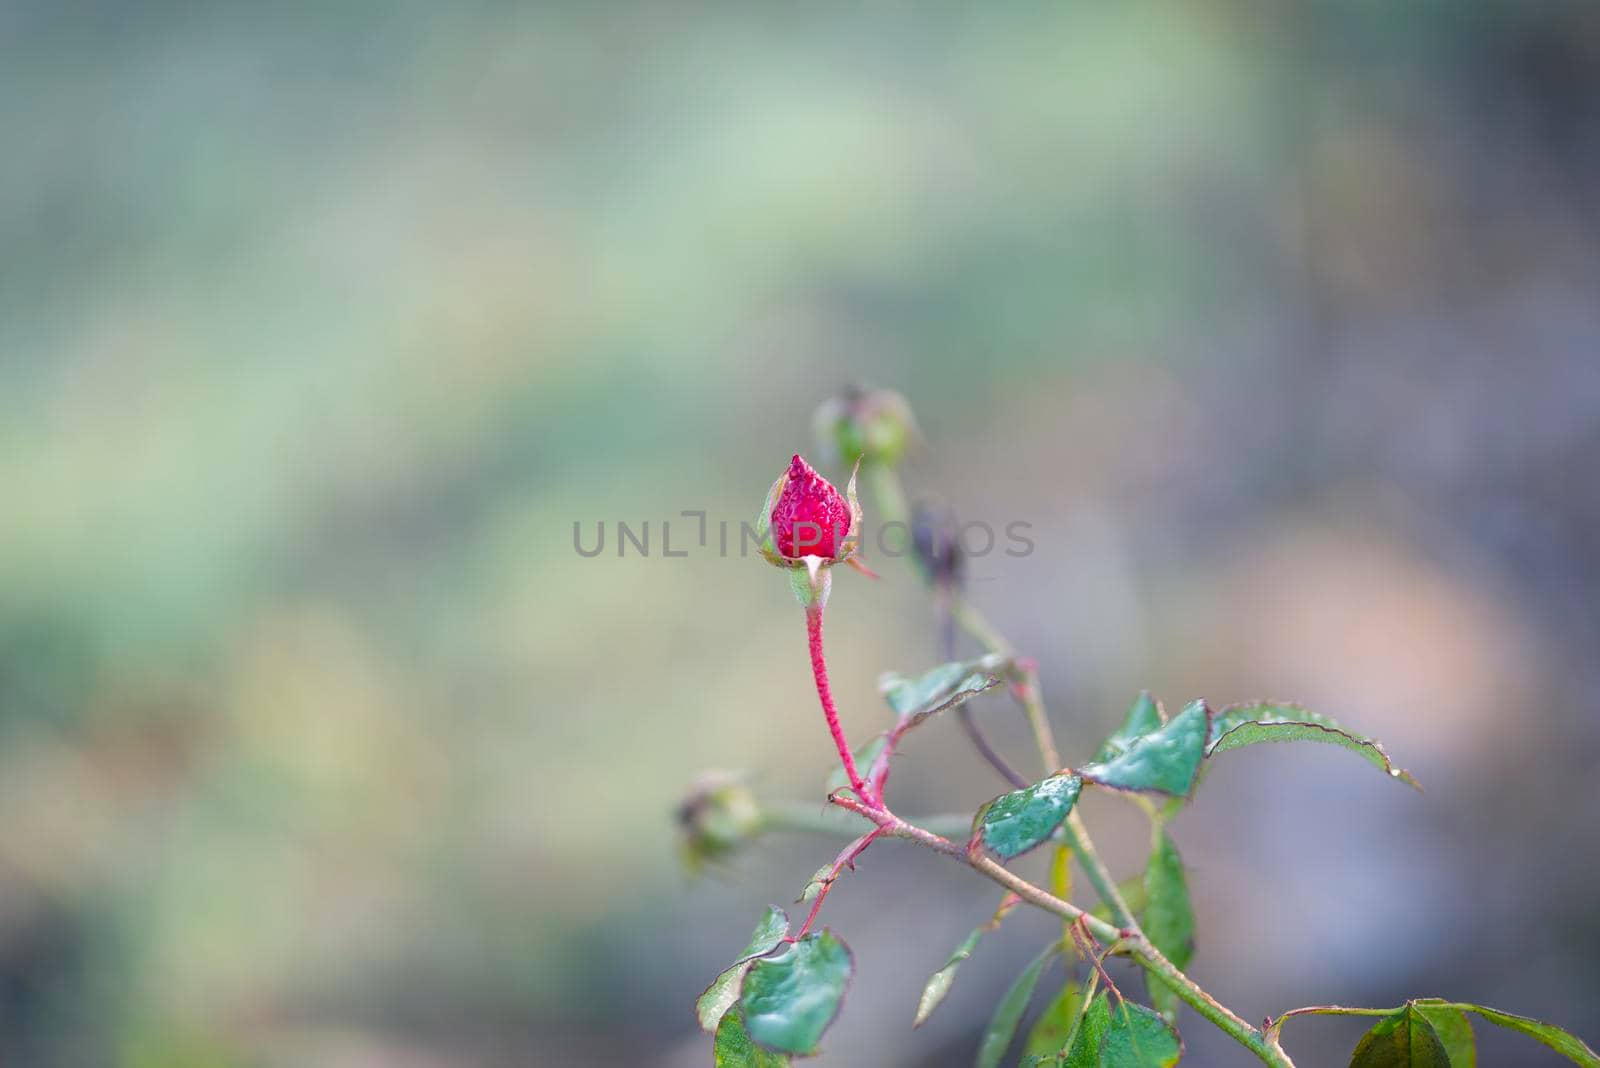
{"points": [[846, 859], [819, 670]]}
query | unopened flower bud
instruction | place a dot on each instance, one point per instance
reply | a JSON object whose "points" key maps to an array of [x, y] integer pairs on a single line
{"points": [[811, 518], [717, 817], [872, 426], [808, 525]]}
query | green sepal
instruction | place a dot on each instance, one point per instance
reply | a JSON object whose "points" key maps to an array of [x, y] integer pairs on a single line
{"points": [[811, 583]]}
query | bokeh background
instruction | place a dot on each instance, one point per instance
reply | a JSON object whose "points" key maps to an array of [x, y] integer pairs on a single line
{"points": [[321, 326]]}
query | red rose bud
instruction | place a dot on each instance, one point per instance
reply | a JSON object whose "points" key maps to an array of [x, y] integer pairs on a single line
{"points": [[806, 526], [811, 518]]}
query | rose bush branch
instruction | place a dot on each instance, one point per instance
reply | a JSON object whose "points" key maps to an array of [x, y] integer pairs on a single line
{"points": [[939, 554], [1130, 939], [779, 996]]}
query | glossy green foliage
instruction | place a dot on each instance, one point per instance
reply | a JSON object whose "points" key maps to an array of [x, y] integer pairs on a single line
{"points": [[734, 1049], [1008, 1013], [790, 997], [1139, 1038], [1242, 725], [1455, 1034], [1162, 761], [1403, 1040], [1146, 755], [1168, 916], [1119, 1034], [1090, 1037], [1052, 1030], [934, 691], [1014, 823], [1144, 717], [1439, 1015], [724, 989], [1563, 1042]]}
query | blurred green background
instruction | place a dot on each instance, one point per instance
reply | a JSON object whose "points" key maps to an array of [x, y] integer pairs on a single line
{"points": [[321, 325]]}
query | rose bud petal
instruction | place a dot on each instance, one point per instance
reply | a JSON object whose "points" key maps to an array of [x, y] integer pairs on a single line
{"points": [[810, 518]]}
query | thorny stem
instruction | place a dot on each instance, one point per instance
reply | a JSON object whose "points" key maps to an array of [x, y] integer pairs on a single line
{"points": [[891, 497], [980, 742], [945, 594], [891, 500], [845, 859], [830, 712], [1131, 939], [807, 818]]}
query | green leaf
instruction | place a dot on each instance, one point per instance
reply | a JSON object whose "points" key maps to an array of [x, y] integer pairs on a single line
{"points": [[789, 999], [814, 885], [838, 780], [1053, 1028], [1014, 823], [1168, 916], [733, 1048], [938, 984], [1139, 1038], [1133, 893], [1144, 717], [935, 691], [1163, 761], [1241, 725], [1563, 1042], [1404, 1040], [1455, 1034], [724, 989], [1089, 1040], [1003, 1024]]}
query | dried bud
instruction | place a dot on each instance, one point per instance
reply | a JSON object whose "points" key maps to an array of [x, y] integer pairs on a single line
{"points": [[872, 426], [716, 818], [935, 540], [808, 526]]}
